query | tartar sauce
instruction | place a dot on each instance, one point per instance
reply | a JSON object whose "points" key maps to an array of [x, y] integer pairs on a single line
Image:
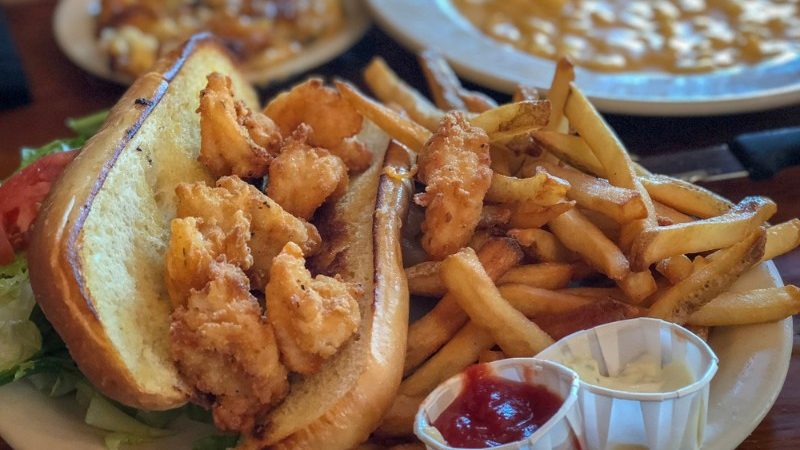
{"points": [[643, 374]]}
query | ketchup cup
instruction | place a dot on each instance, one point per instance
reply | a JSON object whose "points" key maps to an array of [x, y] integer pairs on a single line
{"points": [[561, 432]]}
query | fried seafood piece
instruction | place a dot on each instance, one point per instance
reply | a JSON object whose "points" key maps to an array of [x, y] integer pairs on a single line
{"points": [[225, 349], [303, 177], [454, 166], [233, 139], [312, 317], [333, 120], [271, 227], [195, 243]]}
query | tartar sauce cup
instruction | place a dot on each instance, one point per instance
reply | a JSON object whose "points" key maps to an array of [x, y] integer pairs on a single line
{"points": [[561, 432], [617, 418]]}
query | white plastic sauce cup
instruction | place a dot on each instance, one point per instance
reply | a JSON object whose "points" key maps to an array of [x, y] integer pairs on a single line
{"points": [[615, 419], [561, 432]]}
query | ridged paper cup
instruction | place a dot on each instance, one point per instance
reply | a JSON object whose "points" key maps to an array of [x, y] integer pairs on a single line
{"points": [[623, 419], [561, 432]]}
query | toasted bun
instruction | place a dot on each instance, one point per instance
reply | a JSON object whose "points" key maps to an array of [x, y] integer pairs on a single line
{"points": [[97, 253], [338, 407]]}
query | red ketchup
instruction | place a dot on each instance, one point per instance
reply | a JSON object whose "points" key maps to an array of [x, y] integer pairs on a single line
{"points": [[492, 411]]}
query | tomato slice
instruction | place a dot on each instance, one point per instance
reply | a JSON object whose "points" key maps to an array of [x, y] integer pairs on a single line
{"points": [[20, 199]]}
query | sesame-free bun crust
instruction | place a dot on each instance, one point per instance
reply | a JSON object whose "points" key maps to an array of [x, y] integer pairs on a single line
{"points": [[97, 251]]}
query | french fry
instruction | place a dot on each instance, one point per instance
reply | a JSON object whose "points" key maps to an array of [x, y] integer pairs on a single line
{"points": [[399, 420], [501, 159], [494, 216], [782, 238], [700, 331], [477, 102], [669, 216], [513, 116], [543, 244], [531, 215], [488, 356], [431, 331], [675, 268], [479, 237], [406, 131], [388, 87], [542, 275], [685, 197], [532, 301], [442, 81], [542, 189], [559, 92], [581, 236], [595, 292], [423, 279], [699, 262], [571, 149], [477, 295], [658, 243], [681, 300], [637, 286], [617, 165], [609, 227], [742, 308], [525, 92], [621, 204]]}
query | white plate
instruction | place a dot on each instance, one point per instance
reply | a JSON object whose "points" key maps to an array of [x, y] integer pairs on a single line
{"points": [[436, 24], [74, 28], [754, 360]]}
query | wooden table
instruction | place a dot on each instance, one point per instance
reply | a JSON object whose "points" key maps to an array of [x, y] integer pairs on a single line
{"points": [[61, 90]]}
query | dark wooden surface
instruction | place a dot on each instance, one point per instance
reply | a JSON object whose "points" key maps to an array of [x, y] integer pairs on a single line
{"points": [[60, 90]]}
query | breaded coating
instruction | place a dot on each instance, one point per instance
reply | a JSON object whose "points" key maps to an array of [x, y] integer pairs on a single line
{"points": [[194, 244], [233, 139], [271, 227], [454, 166], [333, 120], [312, 317], [224, 348], [303, 177]]}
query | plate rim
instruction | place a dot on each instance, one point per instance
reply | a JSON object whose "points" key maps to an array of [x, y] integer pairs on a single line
{"points": [[385, 13], [85, 53]]}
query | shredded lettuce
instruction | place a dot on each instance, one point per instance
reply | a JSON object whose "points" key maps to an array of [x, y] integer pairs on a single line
{"points": [[87, 126], [19, 337], [216, 442]]}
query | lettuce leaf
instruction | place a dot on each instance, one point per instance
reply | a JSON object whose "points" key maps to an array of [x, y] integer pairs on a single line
{"points": [[19, 337], [84, 128]]}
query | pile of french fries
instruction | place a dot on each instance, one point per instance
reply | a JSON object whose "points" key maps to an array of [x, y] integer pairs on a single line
{"points": [[573, 234]]}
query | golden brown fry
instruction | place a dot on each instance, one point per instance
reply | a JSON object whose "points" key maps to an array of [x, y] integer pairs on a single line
{"points": [[544, 246], [680, 301], [525, 92], [559, 92], [388, 87], [675, 268], [658, 243], [670, 216], [595, 292], [431, 331], [685, 197], [477, 102], [617, 165], [610, 227], [442, 81], [580, 235], [542, 275], [531, 215], [494, 216], [782, 238], [542, 189], [423, 279], [399, 420], [505, 161], [756, 306], [571, 149], [637, 286], [488, 356], [408, 132], [523, 116], [477, 295], [622, 205], [533, 301]]}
